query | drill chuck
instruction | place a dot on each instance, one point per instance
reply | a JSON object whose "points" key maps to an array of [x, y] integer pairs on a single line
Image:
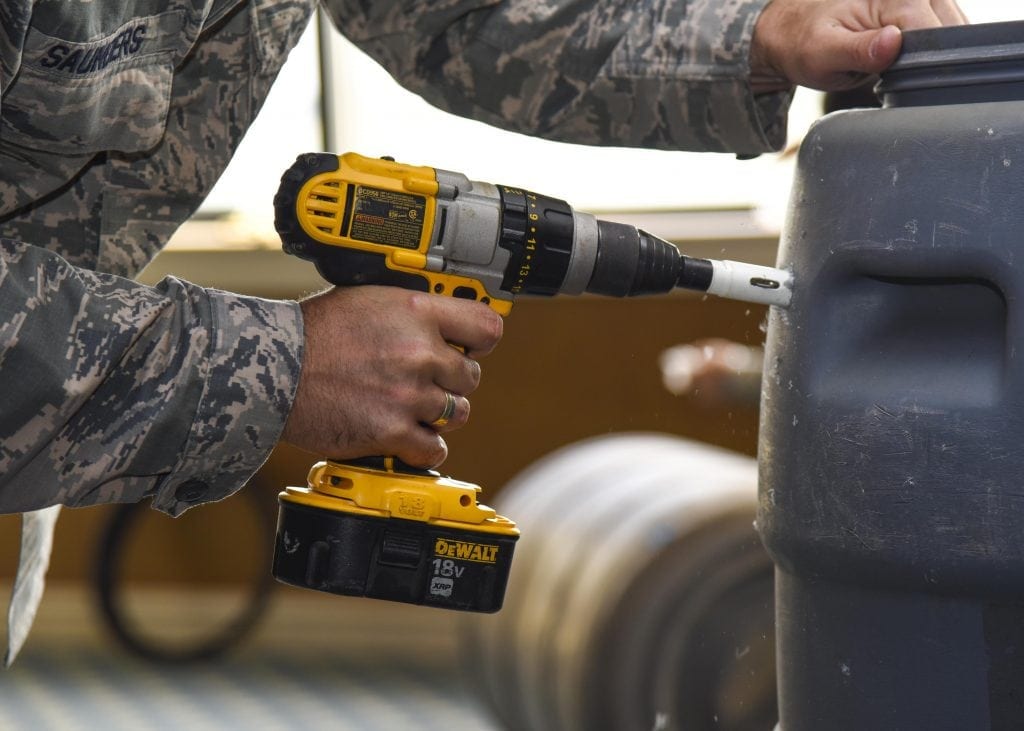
{"points": [[631, 262]]}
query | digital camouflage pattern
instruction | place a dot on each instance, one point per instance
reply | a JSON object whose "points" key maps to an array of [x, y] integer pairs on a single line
{"points": [[668, 74], [116, 119]]}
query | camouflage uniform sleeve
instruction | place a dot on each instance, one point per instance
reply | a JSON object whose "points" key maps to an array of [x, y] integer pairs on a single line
{"points": [[114, 391], [667, 74]]}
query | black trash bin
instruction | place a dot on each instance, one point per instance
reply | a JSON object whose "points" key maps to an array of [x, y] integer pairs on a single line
{"points": [[892, 443]]}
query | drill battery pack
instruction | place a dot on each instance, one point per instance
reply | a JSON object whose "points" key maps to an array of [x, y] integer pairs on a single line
{"points": [[380, 529]]}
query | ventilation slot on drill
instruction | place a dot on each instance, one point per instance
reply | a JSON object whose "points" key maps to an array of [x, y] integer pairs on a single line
{"points": [[323, 205]]}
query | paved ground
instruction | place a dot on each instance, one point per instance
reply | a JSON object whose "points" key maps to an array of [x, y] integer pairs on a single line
{"points": [[316, 661]]}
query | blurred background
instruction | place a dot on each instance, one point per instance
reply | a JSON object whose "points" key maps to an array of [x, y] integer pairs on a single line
{"points": [[151, 622]]}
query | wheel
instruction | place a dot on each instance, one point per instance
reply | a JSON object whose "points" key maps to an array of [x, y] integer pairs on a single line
{"points": [[640, 595], [186, 622]]}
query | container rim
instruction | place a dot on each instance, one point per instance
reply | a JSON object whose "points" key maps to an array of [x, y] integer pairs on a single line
{"points": [[957, 63], [960, 44]]}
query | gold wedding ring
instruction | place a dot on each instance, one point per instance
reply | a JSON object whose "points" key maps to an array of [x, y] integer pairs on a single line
{"points": [[447, 413]]}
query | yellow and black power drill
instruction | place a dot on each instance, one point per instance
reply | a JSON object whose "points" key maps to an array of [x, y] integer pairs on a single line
{"points": [[376, 527]]}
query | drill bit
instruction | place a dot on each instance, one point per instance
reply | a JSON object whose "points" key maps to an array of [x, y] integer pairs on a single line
{"points": [[750, 283]]}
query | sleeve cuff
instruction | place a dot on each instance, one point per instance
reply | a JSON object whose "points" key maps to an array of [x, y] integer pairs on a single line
{"points": [[250, 378], [742, 121], [697, 80]]}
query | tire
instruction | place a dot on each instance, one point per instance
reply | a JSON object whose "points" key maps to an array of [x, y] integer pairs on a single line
{"points": [[208, 638], [640, 596]]}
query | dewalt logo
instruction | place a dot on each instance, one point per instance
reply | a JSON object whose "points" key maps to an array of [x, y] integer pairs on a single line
{"points": [[479, 552]]}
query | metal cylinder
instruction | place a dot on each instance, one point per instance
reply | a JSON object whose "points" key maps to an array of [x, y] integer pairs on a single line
{"points": [[640, 596], [890, 496]]}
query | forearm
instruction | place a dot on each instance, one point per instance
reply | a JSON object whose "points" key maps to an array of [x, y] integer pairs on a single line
{"points": [[113, 391], [671, 74]]}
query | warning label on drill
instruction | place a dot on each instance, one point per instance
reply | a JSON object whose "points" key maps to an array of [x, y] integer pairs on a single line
{"points": [[387, 217]]}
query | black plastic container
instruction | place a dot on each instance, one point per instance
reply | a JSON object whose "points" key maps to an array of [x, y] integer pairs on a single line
{"points": [[892, 439]]}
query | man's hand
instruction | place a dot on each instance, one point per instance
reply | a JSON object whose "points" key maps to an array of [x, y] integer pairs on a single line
{"points": [[377, 364], [836, 44]]}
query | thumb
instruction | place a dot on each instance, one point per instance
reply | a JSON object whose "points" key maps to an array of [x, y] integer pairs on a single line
{"points": [[843, 58], [840, 58], [875, 50]]}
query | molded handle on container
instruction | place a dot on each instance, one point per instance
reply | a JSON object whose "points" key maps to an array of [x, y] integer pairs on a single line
{"points": [[937, 341]]}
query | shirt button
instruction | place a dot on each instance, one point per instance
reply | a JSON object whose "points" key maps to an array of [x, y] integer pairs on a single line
{"points": [[190, 491]]}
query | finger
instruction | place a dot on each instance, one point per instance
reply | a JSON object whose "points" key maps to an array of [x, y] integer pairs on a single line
{"points": [[844, 56], [458, 374], [949, 12], [425, 449], [910, 15], [471, 325], [444, 416], [883, 48]]}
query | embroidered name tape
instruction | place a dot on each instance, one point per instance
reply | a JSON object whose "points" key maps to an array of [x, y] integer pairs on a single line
{"points": [[89, 60], [132, 38]]}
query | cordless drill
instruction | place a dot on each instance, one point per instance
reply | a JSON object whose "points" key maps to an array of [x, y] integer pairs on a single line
{"points": [[376, 527]]}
